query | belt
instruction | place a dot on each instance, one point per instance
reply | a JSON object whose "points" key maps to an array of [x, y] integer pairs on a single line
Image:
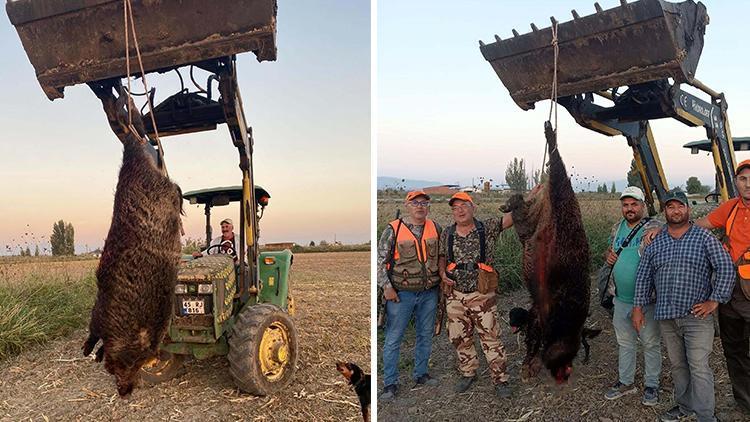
{"points": [[466, 266]]}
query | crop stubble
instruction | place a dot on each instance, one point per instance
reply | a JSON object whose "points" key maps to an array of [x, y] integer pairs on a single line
{"points": [[333, 321]]}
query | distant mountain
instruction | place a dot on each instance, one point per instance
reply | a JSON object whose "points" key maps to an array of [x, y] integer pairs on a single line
{"points": [[407, 184]]}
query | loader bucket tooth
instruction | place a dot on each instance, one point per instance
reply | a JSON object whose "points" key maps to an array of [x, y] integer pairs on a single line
{"points": [[630, 44], [73, 42]]}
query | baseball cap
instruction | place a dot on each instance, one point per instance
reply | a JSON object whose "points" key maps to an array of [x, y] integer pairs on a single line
{"points": [[227, 220], [742, 165], [463, 196], [676, 195], [415, 193], [632, 192]]}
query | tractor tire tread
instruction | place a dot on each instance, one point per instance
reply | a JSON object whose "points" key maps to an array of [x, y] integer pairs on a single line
{"points": [[243, 344]]}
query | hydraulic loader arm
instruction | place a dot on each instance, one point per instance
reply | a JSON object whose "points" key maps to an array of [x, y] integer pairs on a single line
{"points": [[712, 116], [655, 100], [639, 136]]}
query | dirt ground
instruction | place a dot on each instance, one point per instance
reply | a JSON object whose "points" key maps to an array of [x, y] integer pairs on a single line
{"points": [[333, 322], [539, 399]]}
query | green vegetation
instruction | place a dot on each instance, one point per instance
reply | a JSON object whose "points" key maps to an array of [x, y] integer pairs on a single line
{"points": [[694, 186], [41, 307], [326, 247], [61, 240], [190, 245], [634, 177], [515, 175]]}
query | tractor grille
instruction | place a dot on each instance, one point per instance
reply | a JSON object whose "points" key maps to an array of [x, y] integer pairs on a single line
{"points": [[193, 321]]}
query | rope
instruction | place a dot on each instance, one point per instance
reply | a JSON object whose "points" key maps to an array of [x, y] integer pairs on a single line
{"points": [[127, 60], [128, 12], [553, 94]]}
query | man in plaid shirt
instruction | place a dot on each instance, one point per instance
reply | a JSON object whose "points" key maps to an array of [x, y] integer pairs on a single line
{"points": [[680, 265]]}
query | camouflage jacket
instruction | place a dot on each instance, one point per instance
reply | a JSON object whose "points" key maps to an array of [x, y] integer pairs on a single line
{"points": [[466, 251], [385, 248]]}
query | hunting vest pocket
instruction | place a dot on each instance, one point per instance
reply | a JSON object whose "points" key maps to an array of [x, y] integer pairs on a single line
{"points": [[407, 251], [743, 274], [488, 279], [432, 247], [432, 253], [408, 265]]}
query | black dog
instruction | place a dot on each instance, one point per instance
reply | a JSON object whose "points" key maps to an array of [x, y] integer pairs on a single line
{"points": [[361, 382], [518, 318]]}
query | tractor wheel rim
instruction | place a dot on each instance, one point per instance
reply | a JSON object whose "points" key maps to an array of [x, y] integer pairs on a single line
{"points": [[274, 351], [156, 365]]}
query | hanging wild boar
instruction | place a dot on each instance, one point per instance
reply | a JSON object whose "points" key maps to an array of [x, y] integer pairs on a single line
{"points": [[138, 268], [555, 269]]}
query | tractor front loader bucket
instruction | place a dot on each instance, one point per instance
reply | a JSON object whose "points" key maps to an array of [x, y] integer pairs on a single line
{"points": [[629, 44], [75, 41]]}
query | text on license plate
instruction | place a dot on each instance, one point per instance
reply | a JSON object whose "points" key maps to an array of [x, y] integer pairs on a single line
{"points": [[192, 307]]}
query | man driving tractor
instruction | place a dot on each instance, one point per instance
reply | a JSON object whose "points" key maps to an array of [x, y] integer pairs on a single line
{"points": [[221, 244]]}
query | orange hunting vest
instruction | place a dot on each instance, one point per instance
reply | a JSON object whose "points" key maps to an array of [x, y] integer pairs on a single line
{"points": [[414, 263], [743, 262]]}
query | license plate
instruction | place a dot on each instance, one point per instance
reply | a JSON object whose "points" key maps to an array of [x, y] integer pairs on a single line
{"points": [[191, 307]]}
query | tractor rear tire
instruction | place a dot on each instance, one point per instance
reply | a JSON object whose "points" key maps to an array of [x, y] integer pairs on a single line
{"points": [[262, 349]]}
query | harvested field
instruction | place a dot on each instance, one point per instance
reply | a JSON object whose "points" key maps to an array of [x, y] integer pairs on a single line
{"points": [[55, 382], [539, 399], [14, 271]]}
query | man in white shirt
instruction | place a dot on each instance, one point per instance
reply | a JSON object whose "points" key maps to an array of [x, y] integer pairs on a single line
{"points": [[221, 244]]}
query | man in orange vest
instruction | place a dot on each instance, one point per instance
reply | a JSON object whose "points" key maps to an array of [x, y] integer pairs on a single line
{"points": [[466, 259], [734, 317], [408, 274], [733, 217]]}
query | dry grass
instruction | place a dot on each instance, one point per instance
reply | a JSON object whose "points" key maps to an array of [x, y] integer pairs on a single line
{"points": [[333, 318], [14, 270], [41, 300]]}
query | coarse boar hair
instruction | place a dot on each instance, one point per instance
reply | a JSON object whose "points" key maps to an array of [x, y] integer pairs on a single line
{"points": [[138, 268], [555, 268]]}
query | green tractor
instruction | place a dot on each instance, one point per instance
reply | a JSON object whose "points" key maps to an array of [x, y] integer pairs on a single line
{"points": [[218, 313], [240, 308]]}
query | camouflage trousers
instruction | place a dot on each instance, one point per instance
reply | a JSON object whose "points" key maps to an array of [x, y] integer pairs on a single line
{"points": [[467, 312]]}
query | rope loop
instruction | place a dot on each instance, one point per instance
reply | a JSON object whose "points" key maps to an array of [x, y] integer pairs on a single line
{"points": [[130, 22], [553, 94]]}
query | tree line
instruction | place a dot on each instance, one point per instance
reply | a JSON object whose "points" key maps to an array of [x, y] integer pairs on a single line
{"points": [[62, 241], [519, 180]]}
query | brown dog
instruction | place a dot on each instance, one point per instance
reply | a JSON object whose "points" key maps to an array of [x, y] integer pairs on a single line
{"points": [[361, 383]]}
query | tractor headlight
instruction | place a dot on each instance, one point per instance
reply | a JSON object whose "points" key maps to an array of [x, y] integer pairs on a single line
{"points": [[205, 288], [180, 289], [269, 260]]}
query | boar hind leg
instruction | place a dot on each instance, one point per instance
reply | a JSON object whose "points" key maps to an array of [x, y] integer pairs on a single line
{"points": [[532, 362]]}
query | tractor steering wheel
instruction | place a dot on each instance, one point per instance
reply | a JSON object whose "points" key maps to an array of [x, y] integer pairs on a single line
{"points": [[225, 247]]}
